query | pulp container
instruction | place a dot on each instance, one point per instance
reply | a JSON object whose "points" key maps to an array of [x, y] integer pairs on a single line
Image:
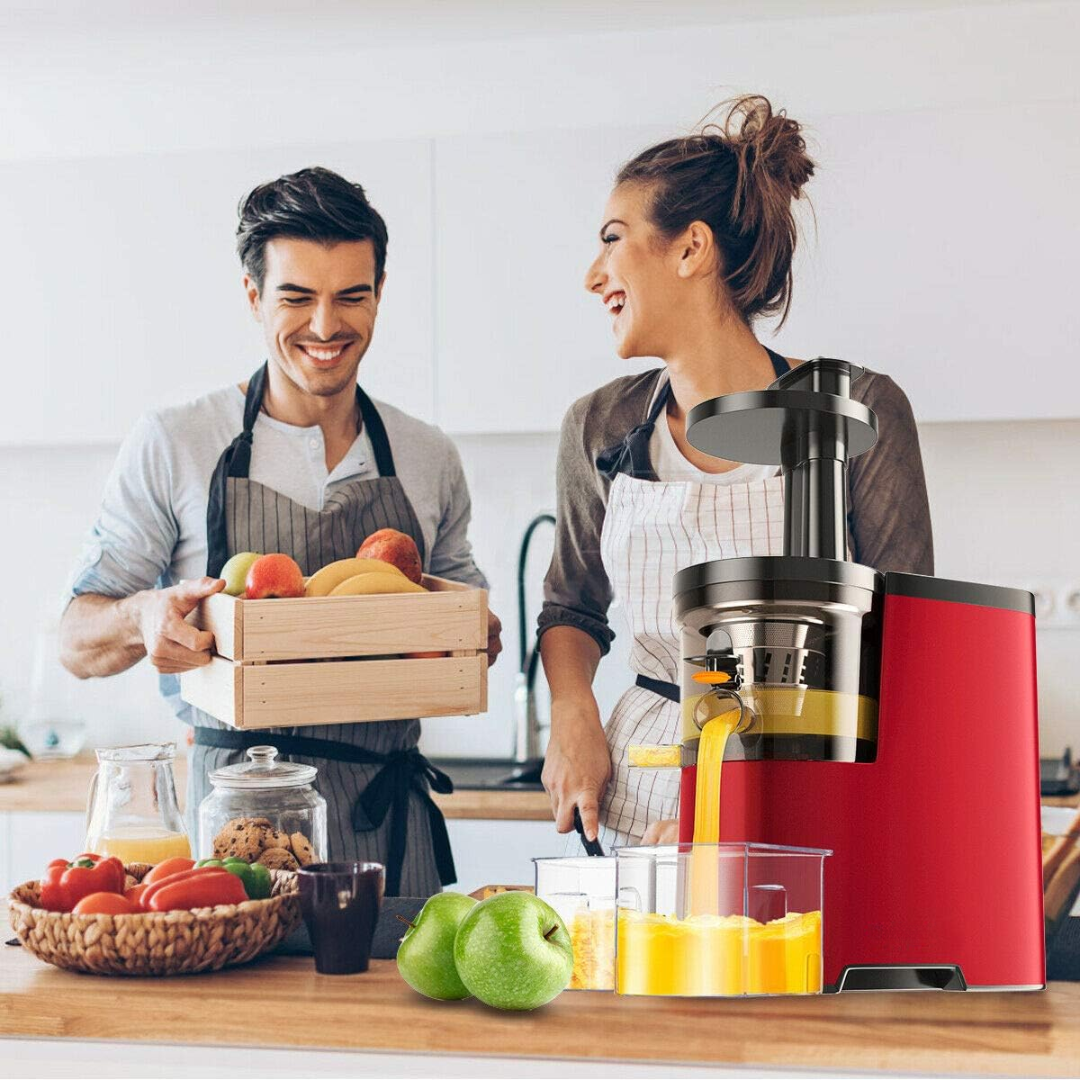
{"points": [[719, 920], [582, 890]]}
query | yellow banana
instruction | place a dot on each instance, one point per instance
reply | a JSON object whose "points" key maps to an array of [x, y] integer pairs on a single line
{"points": [[324, 581], [370, 584]]}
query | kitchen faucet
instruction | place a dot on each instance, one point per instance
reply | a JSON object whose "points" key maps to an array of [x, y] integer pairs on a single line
{"points": [[526, 722]]}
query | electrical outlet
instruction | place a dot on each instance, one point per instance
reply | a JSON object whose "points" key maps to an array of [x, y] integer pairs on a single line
{"points": [[1057, 602]]}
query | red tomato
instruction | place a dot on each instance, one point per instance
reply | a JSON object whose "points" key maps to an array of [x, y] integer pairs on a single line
{"points": [[175, 865], [104, 903]]}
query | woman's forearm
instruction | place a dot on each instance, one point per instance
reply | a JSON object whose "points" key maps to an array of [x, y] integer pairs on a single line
{"points": [[570, 659]]}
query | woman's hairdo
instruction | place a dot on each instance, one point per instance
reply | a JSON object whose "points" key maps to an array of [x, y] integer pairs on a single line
{"points": [[739, 177], [312, 204]]}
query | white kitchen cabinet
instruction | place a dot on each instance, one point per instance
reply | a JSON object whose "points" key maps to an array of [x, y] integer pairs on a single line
{"points": [[945, 255], [124, 275], [517, 219]]}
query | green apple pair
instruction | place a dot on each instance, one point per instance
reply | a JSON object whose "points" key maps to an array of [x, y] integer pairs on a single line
{"points": [[512, 951]]}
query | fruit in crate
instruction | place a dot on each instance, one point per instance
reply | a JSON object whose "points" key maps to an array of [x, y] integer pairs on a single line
{"points": [[323, 581], [512, 951], [425, 957], [374, 584], [274, 576], [397, 548], [235, 572]]}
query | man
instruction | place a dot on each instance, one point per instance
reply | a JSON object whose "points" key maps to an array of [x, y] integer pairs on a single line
{"points": [[297, 460]]}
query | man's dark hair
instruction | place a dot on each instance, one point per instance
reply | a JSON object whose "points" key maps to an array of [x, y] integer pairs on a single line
{"points": [[312, 204]]}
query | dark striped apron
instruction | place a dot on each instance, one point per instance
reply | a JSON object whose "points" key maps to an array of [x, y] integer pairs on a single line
{"points": [[373, 777]]}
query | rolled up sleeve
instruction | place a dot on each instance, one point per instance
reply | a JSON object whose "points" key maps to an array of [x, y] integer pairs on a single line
{"points": [[889, 518], [130, 546], [577, 591]]}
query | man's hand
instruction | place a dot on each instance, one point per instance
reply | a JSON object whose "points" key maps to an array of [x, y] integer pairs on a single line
{"points": [[172, 644], [577, 766], [494, 642], [661, 832]]}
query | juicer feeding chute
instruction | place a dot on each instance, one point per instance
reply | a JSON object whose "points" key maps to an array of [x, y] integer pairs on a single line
{"points": [[806, 423]]}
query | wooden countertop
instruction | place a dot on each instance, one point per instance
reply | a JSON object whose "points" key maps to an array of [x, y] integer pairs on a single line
{"points": [[281, 1002], [62, 786]]}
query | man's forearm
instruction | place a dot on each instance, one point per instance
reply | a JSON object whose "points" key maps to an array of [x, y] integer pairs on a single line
{"points": [[100, 635]]}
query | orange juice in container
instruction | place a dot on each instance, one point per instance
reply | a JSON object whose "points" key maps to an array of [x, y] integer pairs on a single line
{"points": [[762, 934], [133, 812]]}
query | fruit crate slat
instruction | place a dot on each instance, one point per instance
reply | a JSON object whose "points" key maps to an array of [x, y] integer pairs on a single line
{"points": [[253, 696], [451, 617]]}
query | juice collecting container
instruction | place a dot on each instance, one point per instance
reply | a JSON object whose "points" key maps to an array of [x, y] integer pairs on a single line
{"points": [[582, 890], [719, 920]]}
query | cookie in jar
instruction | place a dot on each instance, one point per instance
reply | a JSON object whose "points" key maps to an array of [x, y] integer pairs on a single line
{"points": [[265, 811]]}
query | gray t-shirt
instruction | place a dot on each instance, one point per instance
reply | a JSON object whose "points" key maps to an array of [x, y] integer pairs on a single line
{"points": [[152, 526]]}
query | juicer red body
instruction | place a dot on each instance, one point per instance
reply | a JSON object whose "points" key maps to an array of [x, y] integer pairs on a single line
{"points": [[937, 855]]}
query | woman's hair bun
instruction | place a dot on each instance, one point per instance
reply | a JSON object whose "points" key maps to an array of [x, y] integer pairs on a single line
{"points": [[766, 141]]}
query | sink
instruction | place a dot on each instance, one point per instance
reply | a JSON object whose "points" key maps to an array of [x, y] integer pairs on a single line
{"points": [[485, 774]]}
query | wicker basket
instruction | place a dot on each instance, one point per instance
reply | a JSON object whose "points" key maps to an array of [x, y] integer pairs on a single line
{"points": [[156, 943]]}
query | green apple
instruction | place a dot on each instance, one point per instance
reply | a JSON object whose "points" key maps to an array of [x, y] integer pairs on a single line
{"points": [[426, 954], [512, 951], [235, 572]]}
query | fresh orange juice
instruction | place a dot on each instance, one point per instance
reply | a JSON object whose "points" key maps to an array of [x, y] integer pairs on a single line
{"points": [[718, 955], [704, 884], [141, 845]]}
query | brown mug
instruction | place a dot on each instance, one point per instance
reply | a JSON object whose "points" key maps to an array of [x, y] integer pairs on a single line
{"points": [[340, 902]]}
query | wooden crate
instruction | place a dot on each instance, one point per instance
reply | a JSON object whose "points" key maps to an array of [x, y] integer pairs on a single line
{"points": [[337, 659]]}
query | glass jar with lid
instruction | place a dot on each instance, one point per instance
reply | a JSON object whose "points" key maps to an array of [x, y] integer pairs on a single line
{"points": [[264, 810]]}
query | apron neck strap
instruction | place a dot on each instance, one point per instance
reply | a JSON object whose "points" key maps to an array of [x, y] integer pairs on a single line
{"points": [[373, 425]]}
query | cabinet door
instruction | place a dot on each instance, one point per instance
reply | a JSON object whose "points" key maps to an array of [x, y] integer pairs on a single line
{"points": [[518, 218], [125, 278], [943, 255]]}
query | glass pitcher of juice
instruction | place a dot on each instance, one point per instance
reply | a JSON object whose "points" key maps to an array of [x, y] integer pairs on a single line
{"points": [[132, 811]]}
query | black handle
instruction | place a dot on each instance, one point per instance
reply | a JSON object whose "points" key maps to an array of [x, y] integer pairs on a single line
{"points": [[592, 847]]}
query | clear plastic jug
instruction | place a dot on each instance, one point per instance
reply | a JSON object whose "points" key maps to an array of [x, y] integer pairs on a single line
{"points": [[132, 810]]}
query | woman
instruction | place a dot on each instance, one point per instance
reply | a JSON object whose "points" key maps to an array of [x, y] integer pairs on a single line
{"points": [[696, 245]]}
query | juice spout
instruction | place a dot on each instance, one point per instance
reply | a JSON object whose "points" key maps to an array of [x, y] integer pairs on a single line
{"points": [[722, 701]]}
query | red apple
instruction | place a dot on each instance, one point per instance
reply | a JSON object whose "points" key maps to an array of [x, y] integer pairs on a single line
{"points": [[397, 548], [273, 576]]}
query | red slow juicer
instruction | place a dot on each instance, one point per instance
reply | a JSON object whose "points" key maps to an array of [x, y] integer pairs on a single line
{"points": [[889, 717]]}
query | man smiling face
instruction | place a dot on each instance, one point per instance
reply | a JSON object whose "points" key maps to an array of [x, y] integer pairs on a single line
{"points": [[317, 306]]}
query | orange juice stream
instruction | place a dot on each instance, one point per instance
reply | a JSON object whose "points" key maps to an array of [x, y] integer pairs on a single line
{"points": [[141, 845]]}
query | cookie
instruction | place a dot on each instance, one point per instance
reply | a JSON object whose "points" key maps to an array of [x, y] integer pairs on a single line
{"points": [[278, 859], [302, 849], [241, 838], [274, 838]]}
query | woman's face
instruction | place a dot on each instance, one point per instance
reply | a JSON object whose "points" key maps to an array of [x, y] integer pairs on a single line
{"points": [[636, 276]]}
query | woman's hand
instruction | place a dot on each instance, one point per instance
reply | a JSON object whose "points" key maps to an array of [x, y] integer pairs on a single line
{"points": [[577, 766], [661, 832]]}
